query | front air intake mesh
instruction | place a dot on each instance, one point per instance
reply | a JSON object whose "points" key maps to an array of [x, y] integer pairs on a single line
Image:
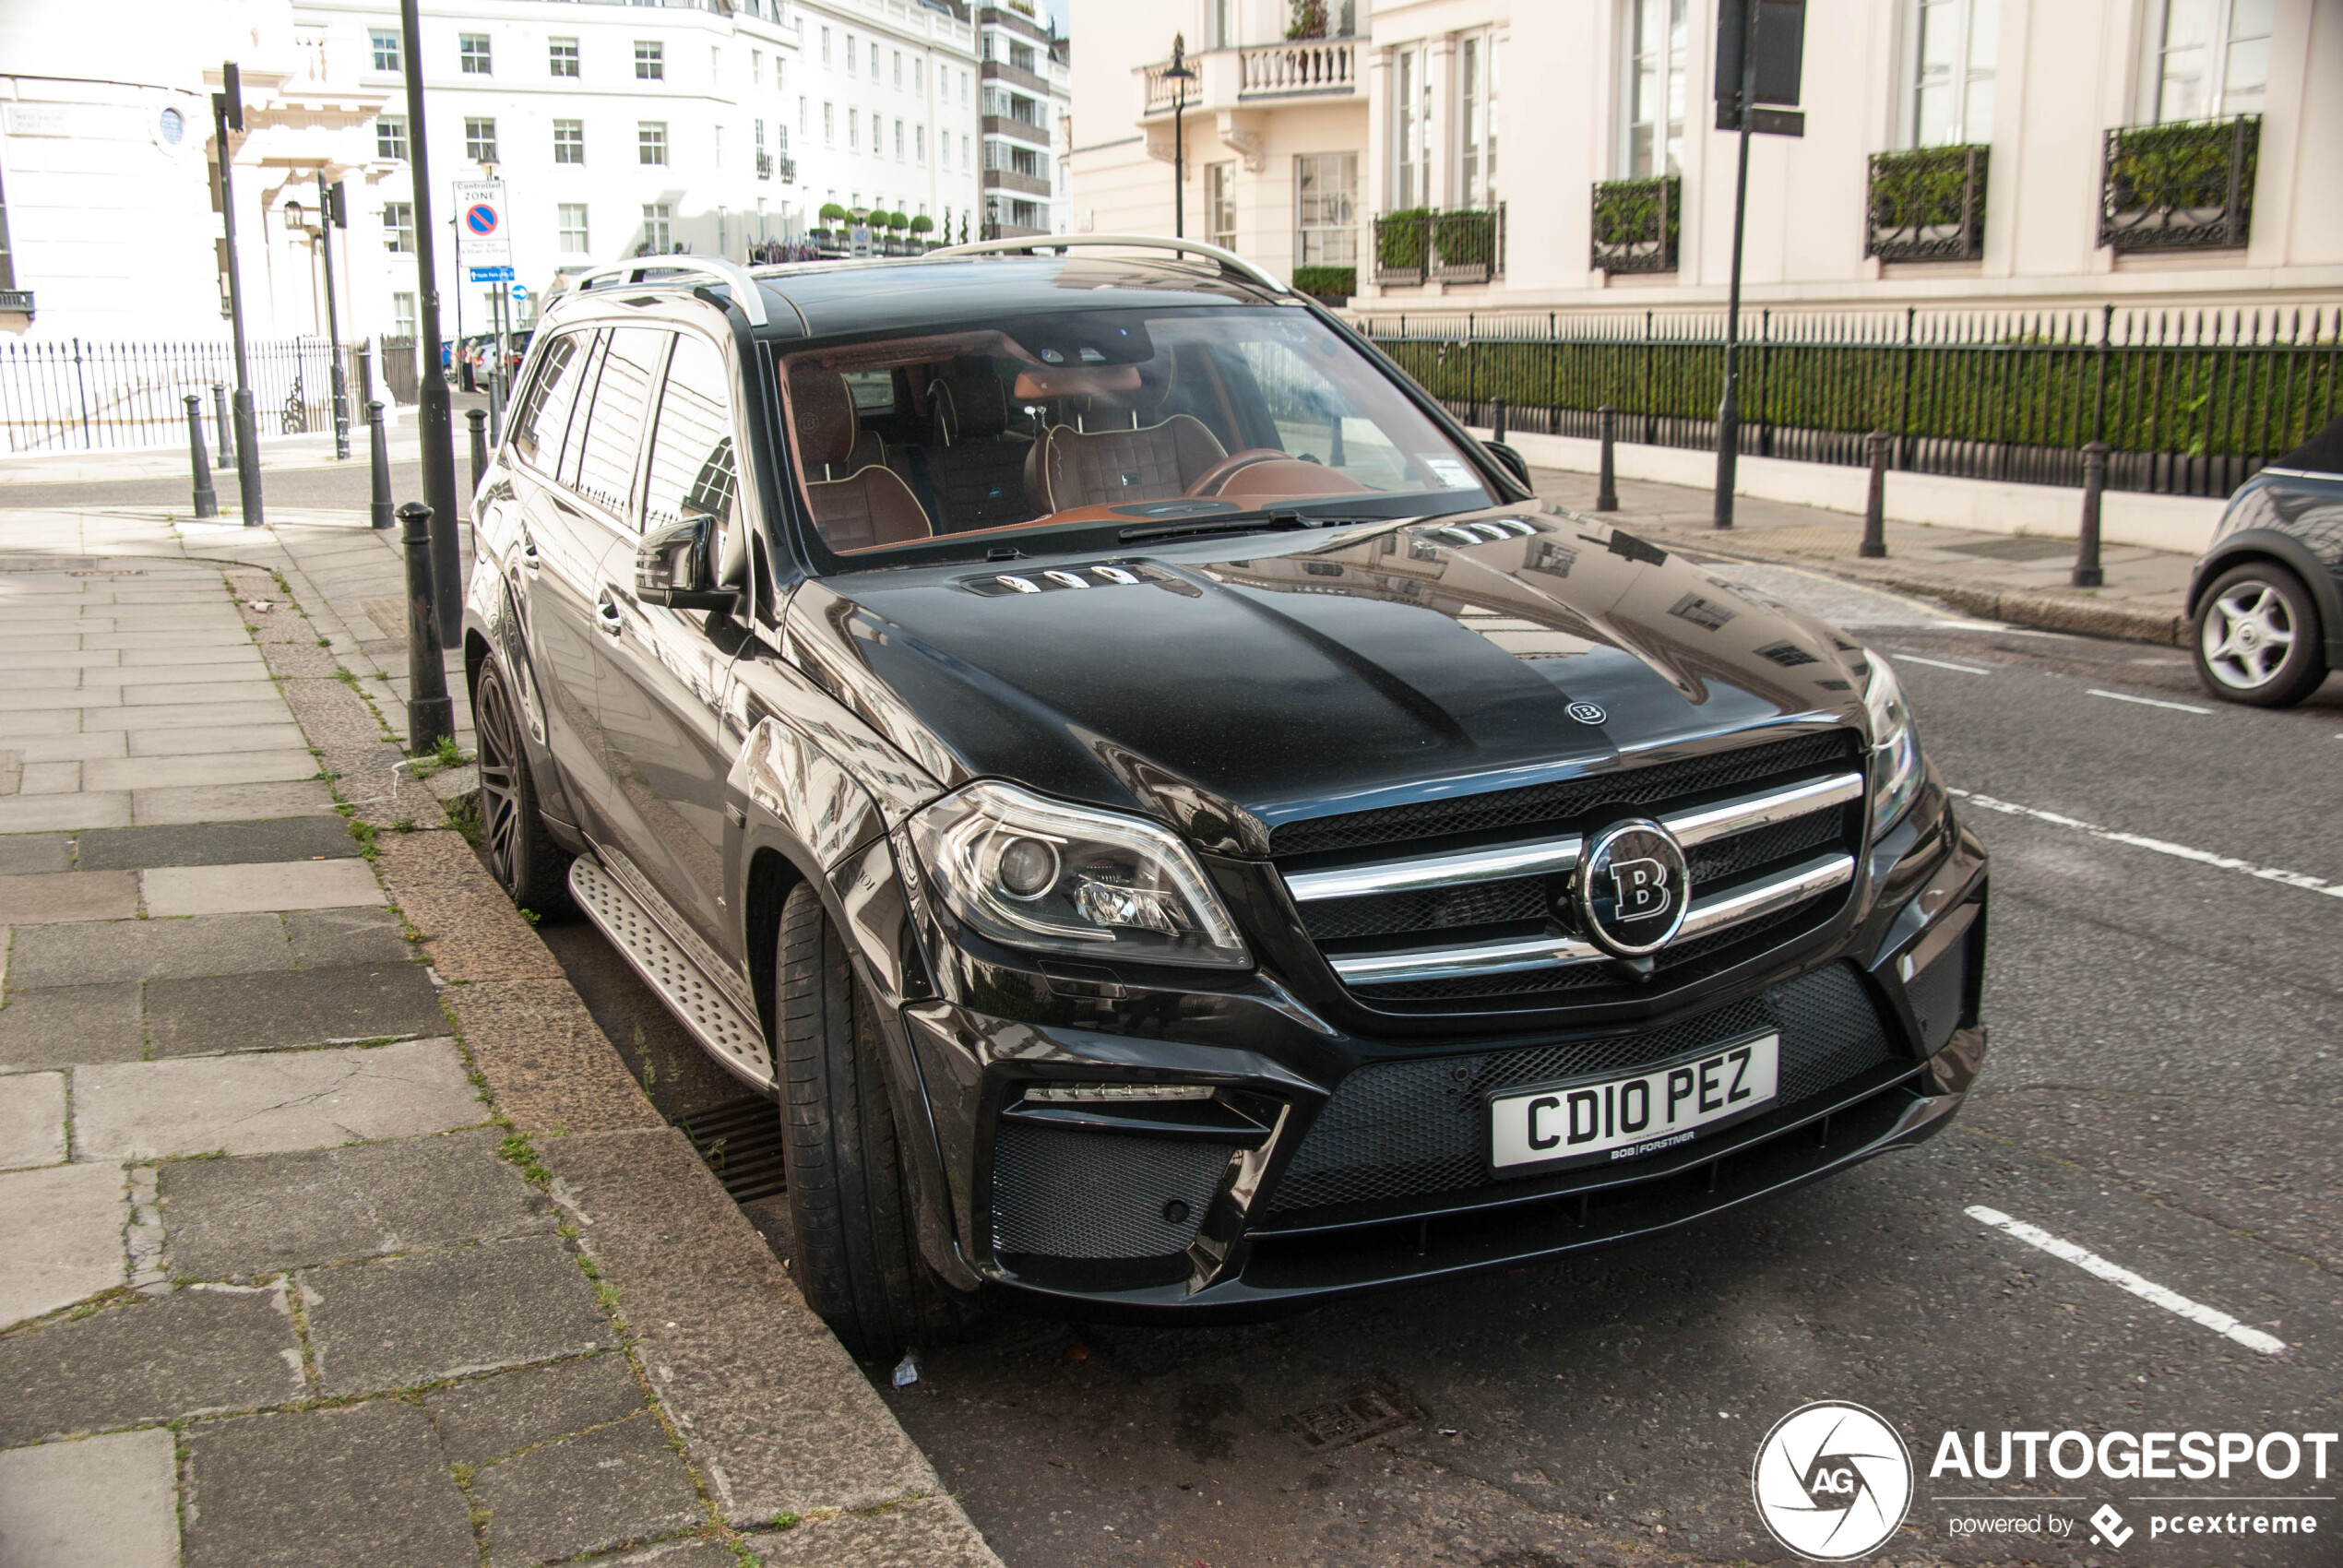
{"points": [[1067, 1195], [1403, 1129]]}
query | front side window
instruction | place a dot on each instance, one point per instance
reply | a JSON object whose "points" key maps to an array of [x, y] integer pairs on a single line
{"points": [[384, 44], [1651, 97], [651, 60], [479, 141], [1327, 225], [471, 49], [398, 227], [691, 468], [1953, 45], [390, 138], [569, 141], [651, 142], [562, 56], [1079, 422], [2212, 58], [571, 225]]}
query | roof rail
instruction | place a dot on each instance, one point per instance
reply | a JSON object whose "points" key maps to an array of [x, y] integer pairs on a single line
{"points": [[746, 293], [1230, 261]]}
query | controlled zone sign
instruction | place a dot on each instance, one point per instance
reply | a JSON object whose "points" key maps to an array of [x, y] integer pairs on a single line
{"points": [[483, 238]]}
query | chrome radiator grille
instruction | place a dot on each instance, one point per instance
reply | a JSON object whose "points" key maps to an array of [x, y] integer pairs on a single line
{"points": [[1466, 897]]}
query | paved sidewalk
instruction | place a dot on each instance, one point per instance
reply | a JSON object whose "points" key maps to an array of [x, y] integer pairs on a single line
{"points": [[2011, 577], [331, 1228]]}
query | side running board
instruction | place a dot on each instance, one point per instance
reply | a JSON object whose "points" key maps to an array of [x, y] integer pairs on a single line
{"points": [[729, 1035]]}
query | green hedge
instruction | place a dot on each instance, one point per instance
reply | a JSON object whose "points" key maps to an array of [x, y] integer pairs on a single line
{"points": [[1403, 239], [1326, 282]]}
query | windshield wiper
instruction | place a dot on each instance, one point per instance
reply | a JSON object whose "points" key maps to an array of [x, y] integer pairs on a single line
{"points": [[1277, 519]]}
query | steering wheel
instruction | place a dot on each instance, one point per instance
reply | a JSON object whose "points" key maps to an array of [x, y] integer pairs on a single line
{"points": [[1210, 481]]}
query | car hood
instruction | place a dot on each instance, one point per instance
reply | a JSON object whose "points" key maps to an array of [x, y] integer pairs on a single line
{"points": [[1228, 684]]}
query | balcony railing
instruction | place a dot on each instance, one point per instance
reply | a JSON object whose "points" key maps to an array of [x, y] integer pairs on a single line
{"points": [[1164, 92], [787, 169], [2184, 186], [1637, 223], [1460, 245], [763, 164], [1927, 204], [1315, 66]]}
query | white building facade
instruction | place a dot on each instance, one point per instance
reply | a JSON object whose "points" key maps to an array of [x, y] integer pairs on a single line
{"points": [[1028, 96], [888, 113], [1501, 155]]}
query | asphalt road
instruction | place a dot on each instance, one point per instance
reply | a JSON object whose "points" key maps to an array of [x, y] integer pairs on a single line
{"points": [[2167, 1017]]}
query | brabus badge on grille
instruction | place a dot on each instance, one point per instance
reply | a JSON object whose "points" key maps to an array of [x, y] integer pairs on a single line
{"points": [[1633, 889], [1586, 712]]}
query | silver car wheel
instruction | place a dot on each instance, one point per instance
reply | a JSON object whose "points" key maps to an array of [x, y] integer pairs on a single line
{"points": [[2248, 635]]}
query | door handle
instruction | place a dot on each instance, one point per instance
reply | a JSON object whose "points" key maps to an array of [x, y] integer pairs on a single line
{"points": [[530, 559], [606, 617]]}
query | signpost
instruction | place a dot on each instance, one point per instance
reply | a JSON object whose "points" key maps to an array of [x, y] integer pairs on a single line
{"points": [[484, 249], [432, 427], [1760, 44]]}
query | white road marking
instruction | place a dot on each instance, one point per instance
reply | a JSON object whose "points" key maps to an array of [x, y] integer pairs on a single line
{"points": [[2163, 847], [1940, 664], [2150, 702], [2115, 1274]]}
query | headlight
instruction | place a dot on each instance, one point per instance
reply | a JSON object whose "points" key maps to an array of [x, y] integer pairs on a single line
{"points": [[1894, 771], [1032, 872]]}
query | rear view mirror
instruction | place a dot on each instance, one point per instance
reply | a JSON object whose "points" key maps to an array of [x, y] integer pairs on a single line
{"points": [[676, 566], [1511, 461]]}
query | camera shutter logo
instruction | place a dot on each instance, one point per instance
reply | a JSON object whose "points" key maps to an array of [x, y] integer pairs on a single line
{"points": [[1832, 1481]]}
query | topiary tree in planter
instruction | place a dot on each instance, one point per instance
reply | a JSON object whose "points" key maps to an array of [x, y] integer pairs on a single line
{"points": [[921, 226]]}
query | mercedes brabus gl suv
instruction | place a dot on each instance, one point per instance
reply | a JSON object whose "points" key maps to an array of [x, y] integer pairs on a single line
{"points": [[1173, 823]]}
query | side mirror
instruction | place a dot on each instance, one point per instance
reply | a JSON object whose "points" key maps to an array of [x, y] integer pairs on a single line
{"points": [[676, 567], [1511, 461]]}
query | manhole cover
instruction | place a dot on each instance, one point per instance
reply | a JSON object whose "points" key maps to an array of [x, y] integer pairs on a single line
{"points": [[1365, 1410], [741, 1141]]}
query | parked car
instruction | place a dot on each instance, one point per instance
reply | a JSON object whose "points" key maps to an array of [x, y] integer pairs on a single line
{"points": [[1175, 825], [2265, 601]]}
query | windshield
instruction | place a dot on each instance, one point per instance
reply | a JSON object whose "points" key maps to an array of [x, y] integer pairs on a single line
{"points": [[1114, 418]]}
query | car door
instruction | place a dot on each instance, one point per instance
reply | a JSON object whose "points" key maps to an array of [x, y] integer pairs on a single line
{"points": [[661, 684]]}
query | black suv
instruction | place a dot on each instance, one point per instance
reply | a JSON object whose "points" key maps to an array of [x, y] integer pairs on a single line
{"points": [[1173, 823]]}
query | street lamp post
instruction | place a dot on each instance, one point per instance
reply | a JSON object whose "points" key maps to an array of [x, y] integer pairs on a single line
{"points": [[228, 113], [1178, 72], [330, 214], [1729, 407], [435, 430]]}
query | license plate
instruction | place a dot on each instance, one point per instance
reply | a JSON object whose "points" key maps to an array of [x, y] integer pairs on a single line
{"points": [[1612, 1118]]}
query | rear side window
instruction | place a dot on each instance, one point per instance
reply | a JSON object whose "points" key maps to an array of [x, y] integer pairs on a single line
{"points": [[546, 407], [692, 466], [612, 428]]}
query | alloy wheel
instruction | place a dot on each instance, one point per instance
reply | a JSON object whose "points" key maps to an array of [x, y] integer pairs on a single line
{"points": [[500, 801], [2248, 635]]}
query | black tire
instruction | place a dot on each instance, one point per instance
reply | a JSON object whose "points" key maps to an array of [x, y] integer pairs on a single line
{"points": [[520, 852], [854, 1252], [2249, 613]]}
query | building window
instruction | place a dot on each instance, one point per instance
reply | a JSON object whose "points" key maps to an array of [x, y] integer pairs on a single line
{"points": [[569, 141], [854, 129], [2212, 58], [898, 141], [898, 70], [1952, 44], [479, 141], [570, 220], [1651, 140], [875, 62], [385, 47], [651, 60], [563, 53], [658, 236], [1477, 120], [964, 153], [1412, 128], [829, 124], [919, 142], [850, 53], [651, 142], [1021, 56], [390, 138], [802, 124], [756, 68], [1219, 24], [402, 316], [1220, 203], [471, 48], [398, 227], [1326, 222], [919, 75]]}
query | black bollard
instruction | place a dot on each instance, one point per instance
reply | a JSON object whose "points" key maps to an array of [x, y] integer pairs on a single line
{"points": [[1876, 509], [1606, 478], [2087, 568], [1496, 419], [430, 715], [227, 431], [206, 501], [478, 420], [381, 454]]}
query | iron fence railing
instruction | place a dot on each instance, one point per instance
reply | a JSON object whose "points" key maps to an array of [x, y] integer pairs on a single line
{"points": [[1453, 245], [1636, 224], [71, 395], [1927, 204], [2191, 403], [2188, 185]]}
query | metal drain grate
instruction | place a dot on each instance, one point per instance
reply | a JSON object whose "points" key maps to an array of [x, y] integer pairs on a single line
{"points": [[741, 1141], [688, 992]]}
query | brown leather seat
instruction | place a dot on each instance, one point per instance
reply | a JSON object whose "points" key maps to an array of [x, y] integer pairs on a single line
{"points": [[1128, 460], [975, 463], [857, 504]]}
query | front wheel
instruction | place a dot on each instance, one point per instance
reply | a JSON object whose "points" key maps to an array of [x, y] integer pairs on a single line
{"points": [[522, 854], [2258, 638], [855, 1256]]}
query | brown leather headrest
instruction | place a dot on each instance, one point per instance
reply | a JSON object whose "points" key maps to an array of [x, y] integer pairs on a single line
{"points": [[823, 408], [970, 399]]}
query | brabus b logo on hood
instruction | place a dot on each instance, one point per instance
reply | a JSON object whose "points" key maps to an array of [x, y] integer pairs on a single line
{"points": [[1633, 888]]}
